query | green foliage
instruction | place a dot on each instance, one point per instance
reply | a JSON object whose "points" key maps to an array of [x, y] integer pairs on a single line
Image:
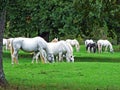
{"points": [[63, 19]]}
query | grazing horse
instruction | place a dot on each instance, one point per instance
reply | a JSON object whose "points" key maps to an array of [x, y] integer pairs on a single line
{"points": [[61, 48], [36, 44], [104, 43], [88, 41], [92, 47], [73, 43], [88, 44]]}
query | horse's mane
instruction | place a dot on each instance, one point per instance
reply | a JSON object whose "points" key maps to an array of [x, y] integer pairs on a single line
{"points": [[70, 47]]}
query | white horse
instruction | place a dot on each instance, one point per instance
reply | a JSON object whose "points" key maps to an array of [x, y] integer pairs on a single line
{"points": [[5, 43], [36, 44], [73, 43], [104, 43], [87, 42], [61, 48]]}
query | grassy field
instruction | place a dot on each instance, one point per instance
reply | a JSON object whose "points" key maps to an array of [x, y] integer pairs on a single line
{"points": [[88, 72]]}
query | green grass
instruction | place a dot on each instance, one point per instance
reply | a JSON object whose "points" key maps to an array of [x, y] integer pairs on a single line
{"points": [[88, 72]]}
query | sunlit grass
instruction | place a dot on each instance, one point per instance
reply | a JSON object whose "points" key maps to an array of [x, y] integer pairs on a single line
{"points": [[86, 73]]}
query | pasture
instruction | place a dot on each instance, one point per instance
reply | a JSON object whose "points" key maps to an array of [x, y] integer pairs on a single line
{"points": [[89, 72]]}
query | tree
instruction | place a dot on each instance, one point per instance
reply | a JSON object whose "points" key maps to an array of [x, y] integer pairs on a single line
{"points": [[63, 18], [3, 81]]}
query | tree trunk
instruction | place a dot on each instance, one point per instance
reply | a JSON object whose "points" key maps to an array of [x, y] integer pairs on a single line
{"points": [[3, 81]]}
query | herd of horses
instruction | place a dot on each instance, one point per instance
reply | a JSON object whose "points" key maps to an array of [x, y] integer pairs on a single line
{"points": [[92, 46], [52, 51]]}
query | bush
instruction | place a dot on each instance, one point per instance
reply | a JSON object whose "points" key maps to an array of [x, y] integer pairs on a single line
{"points": [[116, 48]]}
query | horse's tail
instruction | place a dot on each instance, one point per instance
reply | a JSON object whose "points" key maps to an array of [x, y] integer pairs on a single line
{"points": [[11, 47], [8, 43], [11, 51], [43, 56], [88, 47]]}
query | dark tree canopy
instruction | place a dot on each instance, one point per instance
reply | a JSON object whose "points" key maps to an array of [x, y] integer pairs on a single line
{"points": [[97, 19]]}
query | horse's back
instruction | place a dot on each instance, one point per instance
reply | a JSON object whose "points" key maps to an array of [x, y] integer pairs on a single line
{"points": [[103, 42], [56, 47], [26, 44], [66, 47], [87, 41], [75, 40], [72, 42], [68, 40]]}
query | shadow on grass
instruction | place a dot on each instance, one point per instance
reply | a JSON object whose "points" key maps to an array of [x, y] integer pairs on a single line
{"points": [[77, 59], [96, 59]]}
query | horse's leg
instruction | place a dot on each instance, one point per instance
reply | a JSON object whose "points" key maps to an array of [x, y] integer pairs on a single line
{"points": [[16, 59], [37, 55], [34, 56], [12, 57], [91, 49], [94, 49], [56, 57], [88, 49], [100, 48], [15, 56], [43, 56], [60, 56]]}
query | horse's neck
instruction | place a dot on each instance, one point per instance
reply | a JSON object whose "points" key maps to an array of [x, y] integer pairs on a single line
{"points": [[69, 48], [110, 45], [77, 46]]}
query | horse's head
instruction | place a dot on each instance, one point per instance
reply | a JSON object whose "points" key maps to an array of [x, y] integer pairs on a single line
{"points": [[50, 57], [111, 50], [70, 58]]}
